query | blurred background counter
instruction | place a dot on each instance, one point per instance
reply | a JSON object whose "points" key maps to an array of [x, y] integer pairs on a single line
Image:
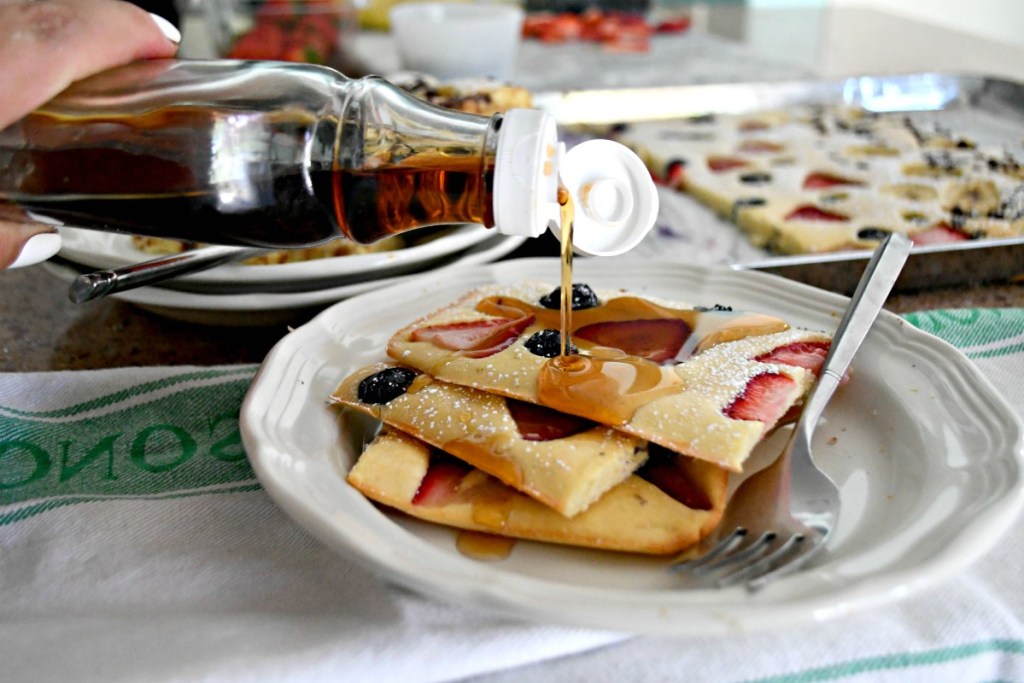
{"points": [[823, 38], [725, 42]]}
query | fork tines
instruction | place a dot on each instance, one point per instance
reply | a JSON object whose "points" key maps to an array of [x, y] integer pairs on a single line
{"points": [[756, 563]]}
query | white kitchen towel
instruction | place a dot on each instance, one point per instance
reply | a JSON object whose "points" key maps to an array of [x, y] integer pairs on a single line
{"points": [[136, 544]]}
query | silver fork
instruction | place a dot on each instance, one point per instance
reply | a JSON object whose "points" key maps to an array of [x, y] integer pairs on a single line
{"points": [[780, 517], [91, 286]]}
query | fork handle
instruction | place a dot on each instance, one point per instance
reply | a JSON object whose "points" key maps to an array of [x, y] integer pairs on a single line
{"points": [[91, 286], [875, 284]]}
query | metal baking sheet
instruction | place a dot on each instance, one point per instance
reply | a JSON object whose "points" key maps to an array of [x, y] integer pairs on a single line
{"points": [[989, 110]]}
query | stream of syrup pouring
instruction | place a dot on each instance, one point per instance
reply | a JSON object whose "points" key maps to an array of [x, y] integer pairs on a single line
{"points": [[567, 216], [481, 545]]}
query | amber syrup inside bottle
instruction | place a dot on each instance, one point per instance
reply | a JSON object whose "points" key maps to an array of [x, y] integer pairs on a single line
{"points": [[160, 191], [370, 205]]}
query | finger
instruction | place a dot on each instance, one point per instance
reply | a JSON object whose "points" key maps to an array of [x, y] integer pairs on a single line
{"points": [[46, 46], [23, 245]]}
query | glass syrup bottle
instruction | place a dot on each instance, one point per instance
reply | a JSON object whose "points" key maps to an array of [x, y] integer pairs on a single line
{"points": [[288, 155]]}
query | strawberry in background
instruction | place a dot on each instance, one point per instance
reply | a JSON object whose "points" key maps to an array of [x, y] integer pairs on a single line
{"points": [[294, 31], [614, 31]]}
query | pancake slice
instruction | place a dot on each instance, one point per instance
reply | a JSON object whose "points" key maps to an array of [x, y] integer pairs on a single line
{"points": [[700, 381], [636, 515], [562, 461]]}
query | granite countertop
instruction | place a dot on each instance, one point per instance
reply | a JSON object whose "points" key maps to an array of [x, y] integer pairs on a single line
{"points": [[43, 330]]}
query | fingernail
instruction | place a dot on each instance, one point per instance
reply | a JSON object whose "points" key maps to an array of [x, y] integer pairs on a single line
{"points": [[38, 248], [167, 28]]}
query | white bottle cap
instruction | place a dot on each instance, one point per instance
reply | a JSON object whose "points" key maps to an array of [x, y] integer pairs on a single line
{"points": [[526, 173], [614, 198]]}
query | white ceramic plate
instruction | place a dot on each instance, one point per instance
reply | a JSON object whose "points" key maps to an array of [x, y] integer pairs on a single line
{"points": [[269, 308], [927, 455], [111, 250]]}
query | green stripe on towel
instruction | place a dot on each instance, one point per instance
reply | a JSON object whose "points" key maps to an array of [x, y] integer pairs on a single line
{"points": [[898, 662], [177, 436], [978, 332]]}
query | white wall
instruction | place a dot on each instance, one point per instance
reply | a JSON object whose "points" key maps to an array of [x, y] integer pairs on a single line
{"points": [[887, 36], [1001, 20]]}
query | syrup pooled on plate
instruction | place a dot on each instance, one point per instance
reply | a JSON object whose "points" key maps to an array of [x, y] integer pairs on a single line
{"points": [[478, 545]]}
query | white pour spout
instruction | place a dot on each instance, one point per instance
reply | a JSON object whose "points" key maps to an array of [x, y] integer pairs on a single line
{"points": [[615, 199]]}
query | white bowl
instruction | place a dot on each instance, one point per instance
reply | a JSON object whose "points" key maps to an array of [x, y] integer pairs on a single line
{"points": [[457, 39]]}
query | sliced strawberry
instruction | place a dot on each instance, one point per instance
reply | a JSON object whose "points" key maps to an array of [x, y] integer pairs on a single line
{"points": [[718, 164], [941, 233], [299, 52], [324, 25], [675, 173], [673, 25], [477, 338], [265, 41], [821, 180], [462, 335], [590, 22], [809, 212], [552, 28], [809, 355], [440, 485], [616, 31], [623, 27], [655, 340], [665, 470], [766, 398], [538, 423]]}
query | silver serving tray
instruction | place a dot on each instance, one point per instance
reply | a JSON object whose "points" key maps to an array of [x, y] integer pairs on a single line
{"points": [[989, 110]]}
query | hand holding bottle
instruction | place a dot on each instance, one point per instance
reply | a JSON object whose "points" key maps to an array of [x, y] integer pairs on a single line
{"points": [[46, 46]]}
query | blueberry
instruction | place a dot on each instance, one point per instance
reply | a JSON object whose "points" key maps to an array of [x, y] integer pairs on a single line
{"points": [[547, 343], [872, 234], [957, 218], [385, 385], [582, 297], [835, 197], [750, 201], [744, 203], [756, 178], [702, 118]]}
